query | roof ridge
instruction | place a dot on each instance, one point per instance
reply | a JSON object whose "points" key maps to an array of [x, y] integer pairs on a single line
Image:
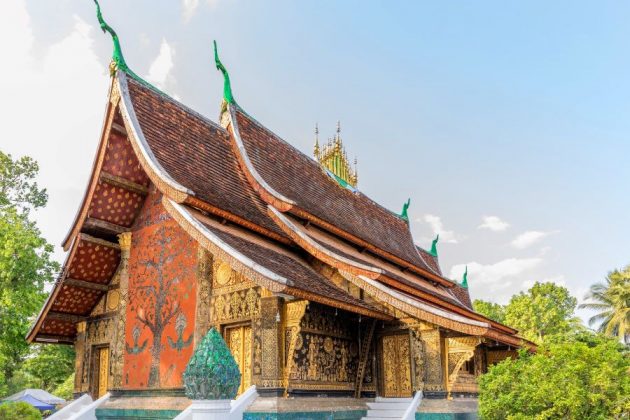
{"points": [[312, 161]]}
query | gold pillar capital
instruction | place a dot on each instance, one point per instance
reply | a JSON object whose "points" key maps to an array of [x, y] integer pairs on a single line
{"points": [[124, 239]]}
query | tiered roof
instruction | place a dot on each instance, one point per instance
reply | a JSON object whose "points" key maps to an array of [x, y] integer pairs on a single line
{"points": [[285, 217]]}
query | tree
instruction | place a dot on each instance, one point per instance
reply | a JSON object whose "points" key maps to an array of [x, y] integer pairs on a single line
{"points": [[50, 363], [583, 376], [494, 311], [612, 302], [18, 190], [25, 260], [544, 310], [19, 410], [66, 389]]}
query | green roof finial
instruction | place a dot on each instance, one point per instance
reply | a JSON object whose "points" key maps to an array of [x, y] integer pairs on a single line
{"points": [[118, 61], [465, 279], [404, 215], [227, 88], [434, 245]]}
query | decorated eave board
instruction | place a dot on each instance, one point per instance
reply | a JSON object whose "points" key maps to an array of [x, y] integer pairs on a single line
{"points": [[237, 187]]}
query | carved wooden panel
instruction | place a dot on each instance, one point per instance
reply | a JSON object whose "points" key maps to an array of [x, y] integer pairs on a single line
{"points": [[239, 341], [396, 366]]}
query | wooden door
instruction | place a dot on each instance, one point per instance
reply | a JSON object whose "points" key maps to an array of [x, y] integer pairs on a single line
{"points": [[396, 366], [103, 371], [239, 340]]}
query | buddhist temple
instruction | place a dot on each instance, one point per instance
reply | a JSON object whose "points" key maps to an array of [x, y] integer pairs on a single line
{"points": [[188, 224]]}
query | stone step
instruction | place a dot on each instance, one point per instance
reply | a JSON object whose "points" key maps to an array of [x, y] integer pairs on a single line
{"points": [[389, 405], [383, 399], [381, 418], [386, 413]]}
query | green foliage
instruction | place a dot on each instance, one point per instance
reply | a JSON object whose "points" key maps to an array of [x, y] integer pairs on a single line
{"points": [[494, 311], [583, 377], [19, 410], [65, 389], [50, 363], [25, 264], [544, 310], [18, 189], [612, 302]]}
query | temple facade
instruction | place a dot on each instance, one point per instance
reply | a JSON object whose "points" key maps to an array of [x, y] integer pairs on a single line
{"points": [[188, 224]]}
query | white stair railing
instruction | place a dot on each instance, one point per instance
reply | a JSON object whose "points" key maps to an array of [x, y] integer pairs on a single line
{"points": [[89, 411], [71, 408], [238, 406], [410, 413]]}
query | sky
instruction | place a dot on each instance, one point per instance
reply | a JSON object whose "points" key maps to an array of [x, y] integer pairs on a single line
{"points": [[506, 123]]}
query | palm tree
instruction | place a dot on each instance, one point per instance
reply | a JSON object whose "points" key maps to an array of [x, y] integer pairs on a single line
{"points": [[611, 300]]}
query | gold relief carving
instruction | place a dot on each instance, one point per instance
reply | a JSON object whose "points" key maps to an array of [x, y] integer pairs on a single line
{"points": [[328, 345], [124, 240], [114, 96], [460, 350], [99, 308], [239, 340], [224, 273], [294, 312], [204, 290], [238, 305], [113, 298], [433, 360], [270, 353], [326, 357], [396, 366], [418, 358], [118, 335], [103, 371]]}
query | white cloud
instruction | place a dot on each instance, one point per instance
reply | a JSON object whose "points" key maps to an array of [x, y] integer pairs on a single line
{"points": [[529, 238], [435, 222], [493, 223], [160, 69], [54, 110], [188, 9], [497, 281]]}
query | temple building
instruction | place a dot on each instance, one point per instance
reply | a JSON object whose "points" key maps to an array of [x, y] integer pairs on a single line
{"points": [[188, 224]]}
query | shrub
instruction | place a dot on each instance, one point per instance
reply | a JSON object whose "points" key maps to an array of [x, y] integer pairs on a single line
{"points": [[18, 411]]}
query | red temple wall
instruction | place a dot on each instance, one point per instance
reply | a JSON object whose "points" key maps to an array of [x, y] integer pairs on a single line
{"points": [[160, 318]]}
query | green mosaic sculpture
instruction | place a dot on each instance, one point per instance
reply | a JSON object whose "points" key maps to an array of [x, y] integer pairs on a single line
{"points": [[118, 61], [212, 373], [404, 214], [434, 245], [465, 279], [227, 87]]}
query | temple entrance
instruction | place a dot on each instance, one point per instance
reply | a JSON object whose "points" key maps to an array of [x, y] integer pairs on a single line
{"points": [[396, 366], [239, 340], [103, 371]]}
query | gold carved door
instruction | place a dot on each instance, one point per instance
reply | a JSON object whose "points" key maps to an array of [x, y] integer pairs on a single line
{"points": [[239, 340], [103, 370], [396, 366]]}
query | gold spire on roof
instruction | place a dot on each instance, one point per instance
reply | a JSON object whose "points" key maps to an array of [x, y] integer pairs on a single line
{"points": [[333, 157]]}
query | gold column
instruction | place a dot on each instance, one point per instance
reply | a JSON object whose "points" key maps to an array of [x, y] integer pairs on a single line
{"points": [[204, 291], [118, 346], [434, 367], [79, 361], [271, 344], [294, 311]]}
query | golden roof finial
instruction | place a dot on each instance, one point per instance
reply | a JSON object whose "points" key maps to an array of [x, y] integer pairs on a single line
{"points": [[316, 148], [334, 158]]}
